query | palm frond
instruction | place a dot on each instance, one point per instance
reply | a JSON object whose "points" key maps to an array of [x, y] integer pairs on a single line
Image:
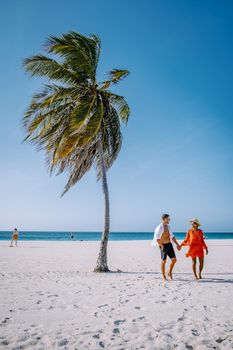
{"points": [[43, 66], [92, 127], [52, 98], [117, 75], [114, 77], [84, 130], [121, 105], [78, 166], [112, 139], [82, 111], [78, 50]]}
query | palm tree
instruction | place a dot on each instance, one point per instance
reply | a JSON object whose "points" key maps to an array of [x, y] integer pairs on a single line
{"points": [[75, 119]]}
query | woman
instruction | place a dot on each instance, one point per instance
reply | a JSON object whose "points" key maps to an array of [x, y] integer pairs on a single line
{"points": [[195, 240]]}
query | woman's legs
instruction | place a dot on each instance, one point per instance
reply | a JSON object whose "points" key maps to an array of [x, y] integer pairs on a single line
{"points": [[201, 265], [194, 263]]}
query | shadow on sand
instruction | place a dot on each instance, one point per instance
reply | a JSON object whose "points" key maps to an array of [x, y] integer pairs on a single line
{"points": [[216, 280], [203, 280]]}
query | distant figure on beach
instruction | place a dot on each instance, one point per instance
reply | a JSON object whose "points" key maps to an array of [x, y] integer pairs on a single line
{"points": [[195, 240], [15, 237], [72, 236], [163, 237]]}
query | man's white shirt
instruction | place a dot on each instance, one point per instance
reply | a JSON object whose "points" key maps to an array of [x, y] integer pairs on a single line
{"points": [[158, 233]]}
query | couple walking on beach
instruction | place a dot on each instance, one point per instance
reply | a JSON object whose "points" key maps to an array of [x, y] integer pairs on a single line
{"points": [[164, 237]]}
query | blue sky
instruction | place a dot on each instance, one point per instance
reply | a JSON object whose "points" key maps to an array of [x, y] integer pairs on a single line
{"points": [[177, 155]]}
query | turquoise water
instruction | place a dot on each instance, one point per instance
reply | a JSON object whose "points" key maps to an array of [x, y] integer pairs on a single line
{"points": [[95, 236]]}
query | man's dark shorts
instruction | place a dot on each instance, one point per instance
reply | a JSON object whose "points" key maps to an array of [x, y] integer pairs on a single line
{"points": [[167, 250]]}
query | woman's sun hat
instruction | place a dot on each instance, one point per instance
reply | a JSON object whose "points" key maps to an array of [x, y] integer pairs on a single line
{"points": [[195, 221]]}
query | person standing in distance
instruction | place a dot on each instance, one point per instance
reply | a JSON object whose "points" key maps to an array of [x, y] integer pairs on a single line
{"points": [[15, 237]]}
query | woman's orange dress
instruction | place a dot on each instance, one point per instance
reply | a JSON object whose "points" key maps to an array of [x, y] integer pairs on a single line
{"points": [[195, 240]]}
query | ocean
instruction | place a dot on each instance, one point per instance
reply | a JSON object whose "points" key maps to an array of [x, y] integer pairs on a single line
{"points": [[96, 236]]}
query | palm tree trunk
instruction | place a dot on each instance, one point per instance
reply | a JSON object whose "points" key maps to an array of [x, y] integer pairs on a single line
{"points": [[102, 265]]}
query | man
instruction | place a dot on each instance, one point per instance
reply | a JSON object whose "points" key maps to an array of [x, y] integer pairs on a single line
{"points": [[163, 236]]}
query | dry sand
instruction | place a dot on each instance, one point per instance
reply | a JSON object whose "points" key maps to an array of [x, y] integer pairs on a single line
{"points": [[51, 299]]}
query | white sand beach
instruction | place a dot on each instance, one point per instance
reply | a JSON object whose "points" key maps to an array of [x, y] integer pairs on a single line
{"points": [[51, 299]]}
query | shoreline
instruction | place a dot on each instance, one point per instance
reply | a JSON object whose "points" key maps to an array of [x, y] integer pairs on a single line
{"points": [[222, 241]]}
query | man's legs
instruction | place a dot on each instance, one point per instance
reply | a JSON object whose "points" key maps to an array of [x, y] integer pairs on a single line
{"points": [[201, 265], [173, 261], [163, 264], [194, 263]]}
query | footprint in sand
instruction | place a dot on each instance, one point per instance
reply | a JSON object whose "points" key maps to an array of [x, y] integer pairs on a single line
{"points": [[220, 340], [96, 336], [52, 295], [116, 330], [102, 306], [118, 322], [4, 342], [22, 338], [195, 332], [180, 319], [6, 320], [63, 342]]}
